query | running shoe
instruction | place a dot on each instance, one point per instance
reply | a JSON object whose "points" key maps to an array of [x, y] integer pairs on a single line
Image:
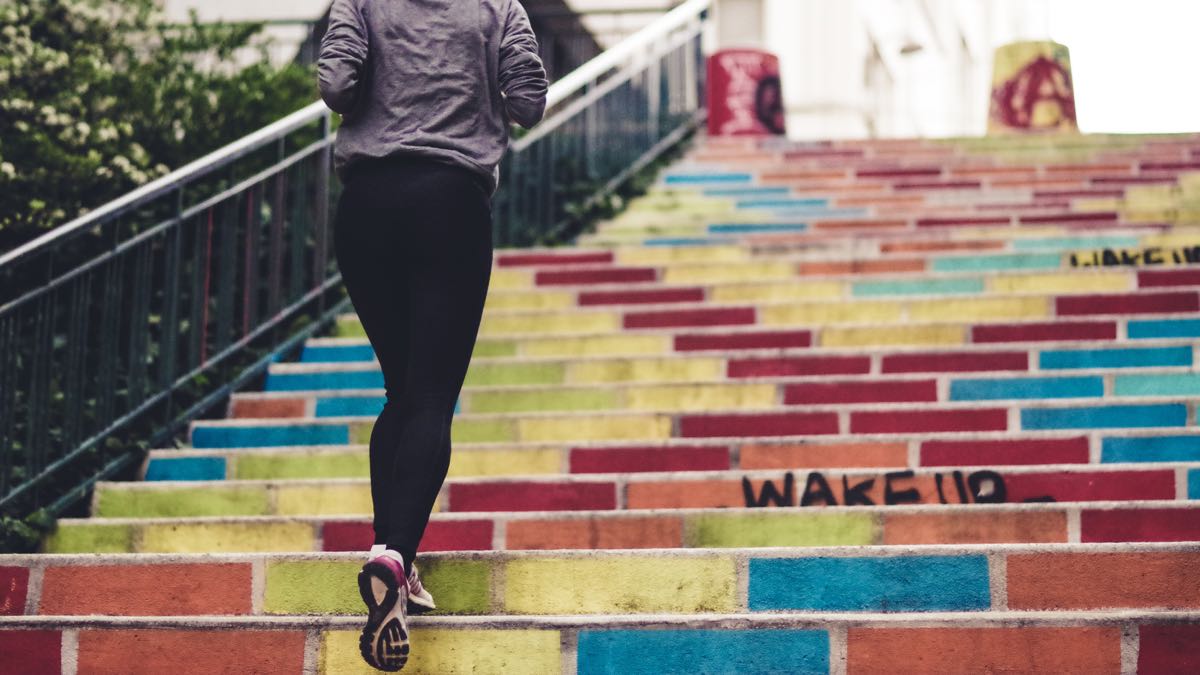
{"points": [[384, 588], [419, 599]]}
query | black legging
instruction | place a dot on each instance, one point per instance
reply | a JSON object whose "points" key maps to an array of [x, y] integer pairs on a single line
{"points": [[413, 241]]}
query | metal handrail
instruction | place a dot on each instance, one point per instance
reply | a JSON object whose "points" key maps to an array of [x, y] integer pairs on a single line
{"points": [[605, 121], [137, 317], [213, 160], [183, 274], [615, 56]]}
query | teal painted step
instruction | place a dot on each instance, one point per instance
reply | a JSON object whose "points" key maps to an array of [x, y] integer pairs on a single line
{"points": [[1123, 357], [999, 262], [873, 289], [1075, 243], [687, 652], [1106, 417], [703, 178]]}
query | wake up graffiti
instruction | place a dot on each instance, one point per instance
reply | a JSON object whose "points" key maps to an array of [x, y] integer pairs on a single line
{"points": [[892, 488]]}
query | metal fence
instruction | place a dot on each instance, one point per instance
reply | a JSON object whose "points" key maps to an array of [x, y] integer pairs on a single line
{"points": [[605, 121], [208, 274], [197, 268]]}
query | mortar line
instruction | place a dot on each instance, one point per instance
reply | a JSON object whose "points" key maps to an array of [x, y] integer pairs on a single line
{"points": [[312, 649], [839, 648], [33, 589], [258, 585], [998, 581], [1130, 648], [69, 652]]}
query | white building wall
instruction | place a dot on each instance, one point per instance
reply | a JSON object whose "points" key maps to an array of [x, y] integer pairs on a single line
{"points": [[856, 68]]}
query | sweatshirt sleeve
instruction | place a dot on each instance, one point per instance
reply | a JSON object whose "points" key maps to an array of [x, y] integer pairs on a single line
{"points": [[343, 55], [522, 77]]}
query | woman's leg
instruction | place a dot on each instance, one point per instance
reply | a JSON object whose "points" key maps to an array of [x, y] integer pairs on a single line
{"points": [[414, 246], [366, 241], [448, 265]]}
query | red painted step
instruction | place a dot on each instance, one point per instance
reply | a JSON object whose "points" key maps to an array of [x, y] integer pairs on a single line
{"points": [[1139, 525], [724, 316], [921, 421], [752, 424], [650, 458], [751, 340], [536, 259], [899, 172], [1168, 649], [1127, 303], [971, 221], [1066, 217], [939, 185], [1092, 486], [955, 362], [1160, 278], [616, 275], [14, 586], [31, 651], [1045, 332], [649, 297], [1005, 452], [533, 496], [860, 391], [440, 535], [799, 366]]}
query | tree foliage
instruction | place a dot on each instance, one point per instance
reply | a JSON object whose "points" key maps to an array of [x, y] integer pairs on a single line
{"points": [[98, 97]]}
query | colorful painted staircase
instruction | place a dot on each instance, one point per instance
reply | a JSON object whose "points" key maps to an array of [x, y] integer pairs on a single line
{"points": [[854, 407]]}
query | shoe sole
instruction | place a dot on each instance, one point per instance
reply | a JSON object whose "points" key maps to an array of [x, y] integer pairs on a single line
{"points": [[384, 642]]}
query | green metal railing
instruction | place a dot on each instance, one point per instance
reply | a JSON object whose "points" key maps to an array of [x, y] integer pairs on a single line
{"points": [[605, 121], [207, 275], [197, 269]]}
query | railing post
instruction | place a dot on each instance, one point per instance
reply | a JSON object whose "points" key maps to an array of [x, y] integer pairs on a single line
{"points": [[322, 229]]}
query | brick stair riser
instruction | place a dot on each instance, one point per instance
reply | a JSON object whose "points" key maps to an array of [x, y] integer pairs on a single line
{"points": [[686, 455], [1032, 274], [1029, 273], [1082, 385], [1099, 577], [1077, 344], [878, 323], [734, 489], [817, 421], [663, 528], [809, 644], [934, 244]]}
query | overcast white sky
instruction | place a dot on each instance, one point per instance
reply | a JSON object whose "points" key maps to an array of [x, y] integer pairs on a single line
{"points": [[1135, 62]]}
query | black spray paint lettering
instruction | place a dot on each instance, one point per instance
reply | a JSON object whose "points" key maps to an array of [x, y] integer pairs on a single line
{"points": [[1151, 256], [978, 487]]}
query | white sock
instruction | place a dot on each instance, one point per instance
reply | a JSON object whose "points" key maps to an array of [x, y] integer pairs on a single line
{"points": [[395, 555]]}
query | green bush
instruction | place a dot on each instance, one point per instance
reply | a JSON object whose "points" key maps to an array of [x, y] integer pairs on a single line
{"points": [[98, 97]]}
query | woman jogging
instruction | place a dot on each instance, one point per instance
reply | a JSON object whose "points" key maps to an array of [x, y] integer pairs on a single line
{"points": [[426, 89]]}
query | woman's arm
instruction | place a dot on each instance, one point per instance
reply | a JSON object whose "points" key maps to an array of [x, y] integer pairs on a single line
{"points": [[522, 77], [343, 54]]}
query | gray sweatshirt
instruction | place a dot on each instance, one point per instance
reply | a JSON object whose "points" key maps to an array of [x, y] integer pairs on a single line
{"points": [[437, 78]]}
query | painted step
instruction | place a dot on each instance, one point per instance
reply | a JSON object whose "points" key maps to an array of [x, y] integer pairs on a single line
{"points": [[665, 342], [729, 489], [682, 455], [876, 419], [1115, 386], [926, 304], [829, 274], [1056, 346], [889, 579], [861, 251], [1047, 523], [750, 644]]}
